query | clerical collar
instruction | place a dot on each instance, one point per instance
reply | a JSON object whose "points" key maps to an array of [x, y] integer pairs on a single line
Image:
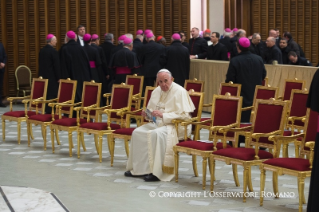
{"points": [[215, 44], [80, 37]]}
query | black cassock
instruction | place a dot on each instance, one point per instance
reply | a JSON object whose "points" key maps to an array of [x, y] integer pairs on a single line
{"points": [[217, 52], [49, 68], [248, 70], [124, 58], [95, 61], [273, 53], [137, 46], [75, 65], [313, 104], [108, 49], [176, 60]]}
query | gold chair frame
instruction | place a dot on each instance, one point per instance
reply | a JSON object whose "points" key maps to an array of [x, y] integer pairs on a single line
{"points": [[248, 141], [17, 80], [205, 154], [137, 97], [26, 101], [70, 129], [98, 134], [52, 103], [195, 81], [295, 81]]}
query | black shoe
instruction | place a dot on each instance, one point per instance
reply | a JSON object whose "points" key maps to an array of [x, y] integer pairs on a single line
{"points": [[2, 105], [151, 178], [129, 174]]}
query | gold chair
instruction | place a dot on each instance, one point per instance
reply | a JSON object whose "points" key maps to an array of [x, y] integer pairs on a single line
{"points": [[291, 84], [66, 94], [196, 85], [23, 78], [38, 92], [137, 82], [225, 113], [91, 96], [269, 120], [121, 100], [298, 166]]}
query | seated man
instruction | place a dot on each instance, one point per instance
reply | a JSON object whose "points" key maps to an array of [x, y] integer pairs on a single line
{"points": [[151, 150]]}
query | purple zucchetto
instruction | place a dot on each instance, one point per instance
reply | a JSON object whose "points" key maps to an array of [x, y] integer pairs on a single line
{"points": [[227, 30], [147, 31], [244, 42], [87, 37], [95, 36], [149, 35], [122, 37], [235, 30], [127, 41], [176, 36], [139, 32], [71, 34], [49, 36]]}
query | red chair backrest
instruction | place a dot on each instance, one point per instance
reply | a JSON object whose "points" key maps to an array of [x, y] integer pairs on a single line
{"points": [[91, 96], [225, 111], [289, 86], [121, 98], [265, 94], [38, 90], [197, 87], [298, 104], [196, 101], [136, 82]]}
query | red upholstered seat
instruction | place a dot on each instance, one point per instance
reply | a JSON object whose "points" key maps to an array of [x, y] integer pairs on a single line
{"points": [[45, 117], [99, 126], [298, 164], [124, 131], [68, 122], [243, 153], [287, 133], [19, 114], [201, 145]]}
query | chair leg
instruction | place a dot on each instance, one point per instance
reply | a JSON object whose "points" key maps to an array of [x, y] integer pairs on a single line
{"points": [[176, 159], [44, 134], [78, 140], [52, 138], [111, 143], [96, 143], [82, 141], [249, 182], [57, 137], [127, 149], [284, 151], [296, 151], [31, 132], [245, 176], [275, 183], [100, 147], [262, 184], [3, 129], [204, 172], [194, 165], [212, 173], [19, 131], [235, 174], [301, 185], [70, 143]]}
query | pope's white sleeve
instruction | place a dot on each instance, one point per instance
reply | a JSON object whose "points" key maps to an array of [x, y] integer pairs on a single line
{"points": [[168, 117]]}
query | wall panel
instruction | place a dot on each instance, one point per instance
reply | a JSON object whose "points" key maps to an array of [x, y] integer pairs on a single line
{"points": [[24, 24]]}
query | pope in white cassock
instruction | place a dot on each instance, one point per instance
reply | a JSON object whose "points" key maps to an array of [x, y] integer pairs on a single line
{"points": [[151, 150]]}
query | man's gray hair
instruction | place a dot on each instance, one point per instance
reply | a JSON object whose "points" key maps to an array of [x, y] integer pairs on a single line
{"points": [[255, 35], [164, 71], [108, 36], [129, 35], [49, 40]]}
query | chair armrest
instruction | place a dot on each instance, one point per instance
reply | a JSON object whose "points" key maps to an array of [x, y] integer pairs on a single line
{"points": [[107, 95], [132, 112], [311, 145], [202, 122], [258, 135], [44, 101], [279, 98], [247, 108], [187, 122], [240, 129], [285, 139], [223, 129], [17, 98], [292, 119], [119, 112], [207, 105]]}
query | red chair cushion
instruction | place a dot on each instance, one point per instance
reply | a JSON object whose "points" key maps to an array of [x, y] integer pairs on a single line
{"points": [[124, 131], [136, 82], [196, 101], [225, 112], [45, 117], [298, 164], [68, 122], [229, 89], [243, 153], [287, 133], [289, 86], [200, 145], [265, 94], [99, 126], [19, 114]]}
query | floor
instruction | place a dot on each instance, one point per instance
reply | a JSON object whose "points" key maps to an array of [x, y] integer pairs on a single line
{"points": [[32, 179]]}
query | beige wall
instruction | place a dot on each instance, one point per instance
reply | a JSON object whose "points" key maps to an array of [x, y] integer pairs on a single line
{"points": [[216, 16]]}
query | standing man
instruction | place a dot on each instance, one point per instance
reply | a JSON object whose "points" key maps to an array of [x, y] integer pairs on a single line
{"points": [[248, 70], [81, 33], [124, 62], [75, 63], [283, 46], [183, 38], [49, 68], [3, 61], [176, 59], [107, 47], [226, 39], [273, 52], [94, 58], [161, 40], [293, 45], [138, 43], [197, 45], [217, 51], [150, 59], [151, 149]]}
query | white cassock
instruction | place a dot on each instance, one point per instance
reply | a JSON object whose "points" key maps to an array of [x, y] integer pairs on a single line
{"points": [[151, 149]]}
